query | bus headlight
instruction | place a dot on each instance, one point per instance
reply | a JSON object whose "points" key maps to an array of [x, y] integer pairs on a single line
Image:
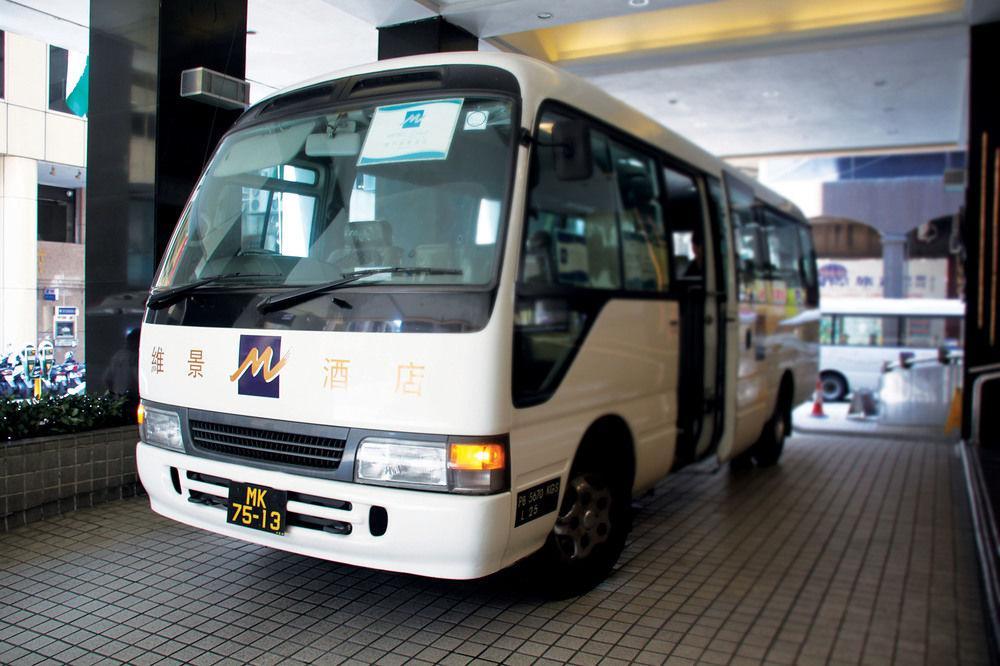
{"points": [[462, 465], [161, 428], [402, 461]]}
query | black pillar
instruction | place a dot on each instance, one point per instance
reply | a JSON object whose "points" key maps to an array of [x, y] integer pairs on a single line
{"points": [[981, 231], [432, 35], [145, 149]]}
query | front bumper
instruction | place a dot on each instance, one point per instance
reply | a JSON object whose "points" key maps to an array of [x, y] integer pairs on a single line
{"points": [[428, 534]]}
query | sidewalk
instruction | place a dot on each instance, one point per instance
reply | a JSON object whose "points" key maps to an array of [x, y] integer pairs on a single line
{"points": [[837, 422]]}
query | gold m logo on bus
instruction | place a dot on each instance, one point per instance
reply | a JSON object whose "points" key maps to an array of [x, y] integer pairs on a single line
{"points": [[262, 379]]}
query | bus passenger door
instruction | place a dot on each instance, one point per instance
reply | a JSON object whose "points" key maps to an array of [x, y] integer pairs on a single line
{"points": [[693, 250]]}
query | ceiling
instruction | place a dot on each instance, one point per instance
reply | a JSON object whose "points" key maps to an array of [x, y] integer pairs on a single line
{"points": [[743, 78], [746, 77]]}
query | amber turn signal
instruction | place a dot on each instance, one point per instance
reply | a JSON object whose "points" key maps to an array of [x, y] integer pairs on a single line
{"points": [[140, 414], [476, 457]]}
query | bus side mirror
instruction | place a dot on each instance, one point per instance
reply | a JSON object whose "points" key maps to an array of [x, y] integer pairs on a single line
{"points": [[571, 142]]}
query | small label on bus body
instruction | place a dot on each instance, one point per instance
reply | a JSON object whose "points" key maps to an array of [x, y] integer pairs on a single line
{"points": [[536, 502]]}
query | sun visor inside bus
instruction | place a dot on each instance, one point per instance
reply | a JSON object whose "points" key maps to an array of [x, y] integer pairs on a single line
{"points": [[262, 151]]}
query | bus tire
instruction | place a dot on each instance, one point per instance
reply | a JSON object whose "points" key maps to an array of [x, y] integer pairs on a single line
{"points": [[589, 534], [833, 385], [767, 450]]}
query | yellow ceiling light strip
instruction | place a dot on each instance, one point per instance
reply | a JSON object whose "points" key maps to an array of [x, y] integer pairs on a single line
{"points": [[719, 21]]}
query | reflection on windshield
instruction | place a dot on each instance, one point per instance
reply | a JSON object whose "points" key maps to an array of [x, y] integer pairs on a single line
{"points": [[413, 185]]}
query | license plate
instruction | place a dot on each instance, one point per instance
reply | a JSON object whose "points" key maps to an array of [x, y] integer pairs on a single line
{"points": [[258, 507], [536, 501]]}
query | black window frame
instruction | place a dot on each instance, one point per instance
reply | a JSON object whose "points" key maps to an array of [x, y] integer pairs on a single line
{"points": [[49, 197], [661, 159], [58, 103], [220, 307], [699, 178], [587, 300], [733, 184]]}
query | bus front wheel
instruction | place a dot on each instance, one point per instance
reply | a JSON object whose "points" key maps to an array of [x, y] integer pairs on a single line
{"points": [[589, 532]]}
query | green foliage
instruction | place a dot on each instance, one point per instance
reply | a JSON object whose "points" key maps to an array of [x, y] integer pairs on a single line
{"points": [[62, 415]]}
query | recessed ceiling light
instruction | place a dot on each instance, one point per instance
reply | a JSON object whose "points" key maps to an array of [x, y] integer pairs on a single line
{"points": [[545, 15], [638, 3], [879, 83], [888, 109], [770, 94], [671, 101], [251, 31]]}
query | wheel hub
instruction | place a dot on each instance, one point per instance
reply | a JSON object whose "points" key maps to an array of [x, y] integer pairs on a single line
{"points": [[585, 520]]}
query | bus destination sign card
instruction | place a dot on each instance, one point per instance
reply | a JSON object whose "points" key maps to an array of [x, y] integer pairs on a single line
{"points": [[259, 507]]}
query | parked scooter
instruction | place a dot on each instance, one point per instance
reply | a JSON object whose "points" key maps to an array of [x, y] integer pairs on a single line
{"points": [[8, 385], [12, 382], [76, 374], [67, 377]]}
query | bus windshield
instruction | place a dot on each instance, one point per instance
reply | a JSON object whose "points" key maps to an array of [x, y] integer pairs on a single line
{"points": [[302, 201]]}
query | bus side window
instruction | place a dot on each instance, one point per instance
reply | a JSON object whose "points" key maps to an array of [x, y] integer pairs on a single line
{"points": [[644, 242], [749, 263], [717, 205], [570, 255], [783, 249], [826, 336], [868, 331], [687, 224], [571, 236], [927, 332], [807, 262]]}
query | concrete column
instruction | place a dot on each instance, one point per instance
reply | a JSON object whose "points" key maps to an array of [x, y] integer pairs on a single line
{"points": [[18, 251], [433, 35], [140, 128], [894, 265]]}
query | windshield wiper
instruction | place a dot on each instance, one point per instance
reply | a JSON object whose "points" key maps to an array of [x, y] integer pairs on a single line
{"points": [[305, 293], [162, 299]]}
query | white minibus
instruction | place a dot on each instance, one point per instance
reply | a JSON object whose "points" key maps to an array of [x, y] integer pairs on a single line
{"points": [[858, 336], [439, 314]]}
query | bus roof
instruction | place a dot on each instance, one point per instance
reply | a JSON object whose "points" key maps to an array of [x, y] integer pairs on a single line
{"points": [[893, 306], [540, 81]]}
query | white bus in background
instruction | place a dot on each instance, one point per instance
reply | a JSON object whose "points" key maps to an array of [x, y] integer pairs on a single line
{"points": [[859, 335], [440, 314]]}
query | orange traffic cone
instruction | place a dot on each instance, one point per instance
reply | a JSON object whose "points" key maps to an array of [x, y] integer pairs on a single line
{"points": [[954, 419], [817, 409]]}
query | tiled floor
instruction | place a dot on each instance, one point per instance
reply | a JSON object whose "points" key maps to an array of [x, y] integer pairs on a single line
{"points": [[852, 551]]}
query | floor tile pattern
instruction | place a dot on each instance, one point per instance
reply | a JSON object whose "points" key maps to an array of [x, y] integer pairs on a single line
{"points": [[851, 551]]}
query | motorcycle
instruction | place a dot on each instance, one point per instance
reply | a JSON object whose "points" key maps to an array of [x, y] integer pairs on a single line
{"points": [[12, 382]]}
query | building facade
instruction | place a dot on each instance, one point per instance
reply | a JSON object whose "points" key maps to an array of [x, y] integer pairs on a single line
{"points": [[43, 157]]}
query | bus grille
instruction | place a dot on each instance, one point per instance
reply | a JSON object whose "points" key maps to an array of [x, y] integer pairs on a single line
{"points": [[268, 445]]}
